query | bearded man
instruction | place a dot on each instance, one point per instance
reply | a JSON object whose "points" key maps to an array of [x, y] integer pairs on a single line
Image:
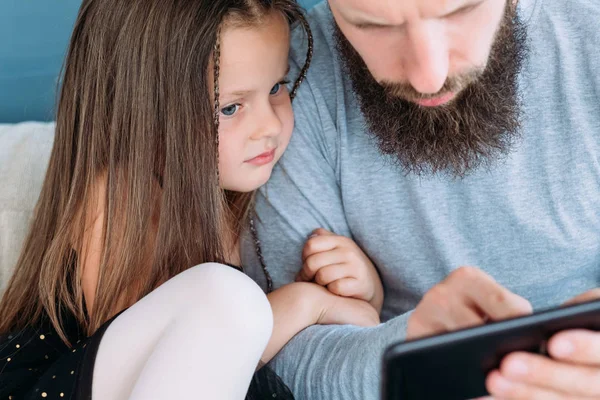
{"points": [[458, 143]]}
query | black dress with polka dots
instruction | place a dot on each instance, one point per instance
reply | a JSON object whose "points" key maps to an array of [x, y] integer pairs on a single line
{"points": [[36, 364]]}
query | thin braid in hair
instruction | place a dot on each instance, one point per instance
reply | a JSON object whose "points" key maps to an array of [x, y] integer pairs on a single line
{"points": [[299, 80], [216, 72], [309, 55]]}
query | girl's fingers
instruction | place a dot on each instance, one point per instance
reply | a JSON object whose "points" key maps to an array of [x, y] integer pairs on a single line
{"points": [[347, 287], [316, 261], [331, 273]]}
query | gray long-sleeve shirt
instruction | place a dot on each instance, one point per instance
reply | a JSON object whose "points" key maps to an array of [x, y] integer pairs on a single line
{"points": [[532, 220]]}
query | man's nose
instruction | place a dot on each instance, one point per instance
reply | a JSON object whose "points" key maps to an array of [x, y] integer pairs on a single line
{"points": [[427, 58]]}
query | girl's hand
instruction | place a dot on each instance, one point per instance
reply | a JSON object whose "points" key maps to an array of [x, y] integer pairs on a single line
{"points": [[336, 310], [336, 262]]}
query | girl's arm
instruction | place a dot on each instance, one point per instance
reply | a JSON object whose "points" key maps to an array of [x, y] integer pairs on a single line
{"points": [[92, 243], [299, 305]]}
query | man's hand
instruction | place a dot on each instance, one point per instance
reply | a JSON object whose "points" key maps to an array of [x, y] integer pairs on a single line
{"points": [[572, 371], [467, 297], [336, 262]]}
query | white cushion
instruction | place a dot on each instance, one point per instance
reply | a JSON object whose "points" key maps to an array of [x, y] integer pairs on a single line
{"points": [[24, 154]]}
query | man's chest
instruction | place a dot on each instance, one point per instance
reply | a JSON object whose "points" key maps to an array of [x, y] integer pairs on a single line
{"points": [[532, 220]]}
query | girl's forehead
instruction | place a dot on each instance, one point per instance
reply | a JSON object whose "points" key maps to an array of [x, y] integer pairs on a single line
{"points": [[253, 55]]}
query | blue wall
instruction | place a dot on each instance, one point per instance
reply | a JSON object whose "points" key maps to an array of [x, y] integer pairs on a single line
{"points": [[34, 35]]}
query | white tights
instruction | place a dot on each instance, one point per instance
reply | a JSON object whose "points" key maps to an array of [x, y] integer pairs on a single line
{"points": [[198, 336]]}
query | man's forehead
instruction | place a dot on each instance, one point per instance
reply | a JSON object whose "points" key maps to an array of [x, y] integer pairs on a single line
{"points": [[394, 12]]}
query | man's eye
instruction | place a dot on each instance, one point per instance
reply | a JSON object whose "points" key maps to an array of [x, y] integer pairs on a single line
{"points": [[275, 89], [464, 10], [230, 110]]}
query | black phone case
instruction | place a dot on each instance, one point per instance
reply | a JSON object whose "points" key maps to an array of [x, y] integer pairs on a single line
{"points": [[454, 365]]}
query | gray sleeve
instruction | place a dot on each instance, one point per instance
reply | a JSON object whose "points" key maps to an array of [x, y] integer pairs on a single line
{"points": [[337, 362], [321, 362]]}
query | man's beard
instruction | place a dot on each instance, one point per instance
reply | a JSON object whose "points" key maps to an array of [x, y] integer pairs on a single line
{"points": [[480, 124]]}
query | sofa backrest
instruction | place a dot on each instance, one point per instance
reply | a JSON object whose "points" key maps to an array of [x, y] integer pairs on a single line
{"points": [[24, 154]]}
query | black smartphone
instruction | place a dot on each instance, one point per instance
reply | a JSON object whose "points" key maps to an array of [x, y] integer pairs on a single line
{"points": [[453, 366]]}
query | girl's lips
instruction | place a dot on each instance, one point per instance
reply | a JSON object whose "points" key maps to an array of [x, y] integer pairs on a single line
{"points": [[262, 159]]}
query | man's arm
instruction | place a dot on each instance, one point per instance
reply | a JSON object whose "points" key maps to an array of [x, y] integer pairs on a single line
{"points": [[337, 362], [321, 362]]}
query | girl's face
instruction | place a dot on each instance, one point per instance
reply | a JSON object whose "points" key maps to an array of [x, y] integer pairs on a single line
{"points": [[256, 119]]}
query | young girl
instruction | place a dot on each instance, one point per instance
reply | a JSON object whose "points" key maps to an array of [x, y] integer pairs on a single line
{"points": [[171, 113]]}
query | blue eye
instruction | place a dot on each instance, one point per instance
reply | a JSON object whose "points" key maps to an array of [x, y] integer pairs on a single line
{"points": [[275, 89], [230, 110]]}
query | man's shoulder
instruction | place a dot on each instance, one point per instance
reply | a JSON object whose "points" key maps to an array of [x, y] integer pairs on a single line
{"points": [[573, 8], [325, 91], [573, 15], [324, 64], [563, 33]]}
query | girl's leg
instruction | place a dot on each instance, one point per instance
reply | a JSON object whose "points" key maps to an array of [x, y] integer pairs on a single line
{"points": [[198, 336]]}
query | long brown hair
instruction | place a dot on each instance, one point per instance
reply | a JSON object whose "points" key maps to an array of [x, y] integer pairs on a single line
{"points": [[136, 106]]}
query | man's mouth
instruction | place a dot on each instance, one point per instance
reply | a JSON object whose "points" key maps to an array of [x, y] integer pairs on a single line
{"points": [[436, 101]]}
